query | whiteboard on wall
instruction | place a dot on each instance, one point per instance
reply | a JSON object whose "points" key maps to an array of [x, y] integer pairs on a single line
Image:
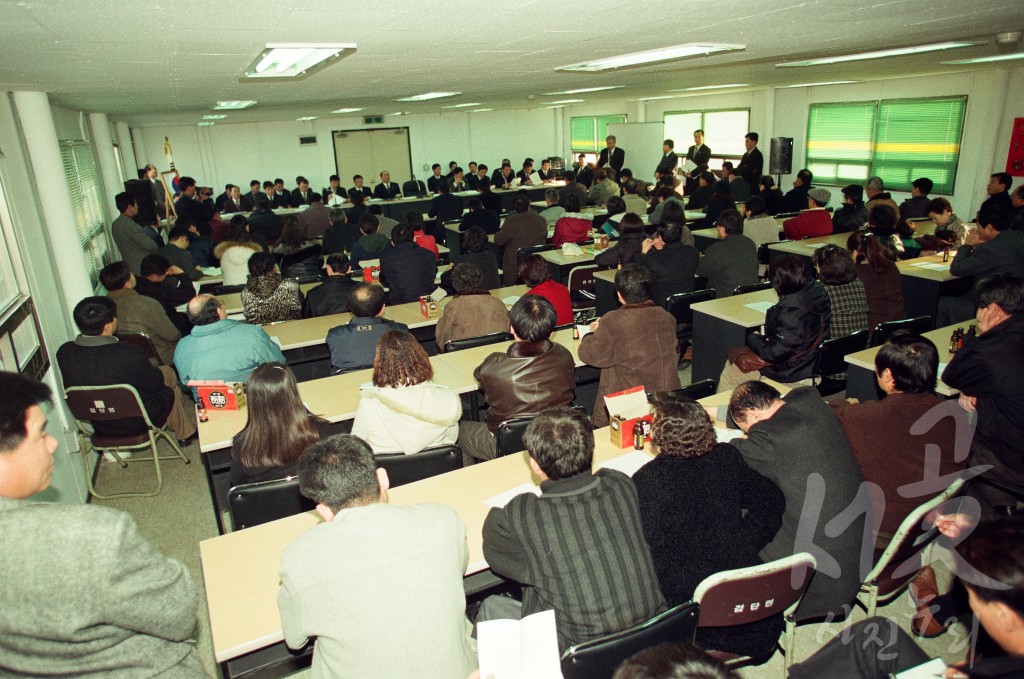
{"points": [[642, 144]]}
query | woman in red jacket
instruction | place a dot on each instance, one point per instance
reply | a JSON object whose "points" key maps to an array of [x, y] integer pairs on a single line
{"points": [[536, 274]]}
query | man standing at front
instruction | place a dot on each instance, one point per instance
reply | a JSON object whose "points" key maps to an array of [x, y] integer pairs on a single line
{"points": [[611, 155], [700, 155], [752, 162], [579, 547], [378, 586], [122, 610]]}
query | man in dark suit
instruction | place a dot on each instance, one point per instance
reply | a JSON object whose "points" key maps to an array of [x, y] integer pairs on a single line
{"points": [[219, 200], [302, 195], [358, 187], [795, 199], [434, 179], [387, 189], [612, 155], [445, 207], [700, 154], [232, 201], [458, 181], [752, 162], [583, 172], [669, 160], [406, 268], [281, 198], [248, 203], [190, 205]]}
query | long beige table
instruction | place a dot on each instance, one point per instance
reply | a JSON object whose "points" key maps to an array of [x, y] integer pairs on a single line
{"points": [[233, 302], [719, 324], [240, 569], [860, 379]]}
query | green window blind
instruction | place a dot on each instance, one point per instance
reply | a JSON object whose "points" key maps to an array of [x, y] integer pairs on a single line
{"points": [[588, 132], [919, 138], [82, 177], [839, 140]]}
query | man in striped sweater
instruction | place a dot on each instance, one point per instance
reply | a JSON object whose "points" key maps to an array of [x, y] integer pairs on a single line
{"points": [[579, 547]]}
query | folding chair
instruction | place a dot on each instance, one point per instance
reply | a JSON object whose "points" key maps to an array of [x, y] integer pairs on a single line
{"points": [[509, 439], [142, 341], [403, 469], [753, 287], [882, 331], [480, 341], [746, 595], [581, 287], [112, 403], [598, 658], [251, 504], [829, 376], [679, 305]]}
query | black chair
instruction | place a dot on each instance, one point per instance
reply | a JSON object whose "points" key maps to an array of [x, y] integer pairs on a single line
{"points": [[251, 504], [509, 439], [697, 390], [764, 254], [309, 278], [142, 341], [305, 262], [882, 331], [227, 289], [414, 187], [582, 287], [753, 287], [831, 361], [481, 341], [403, 469], [523, 253], [679, 306], [598, 658]]}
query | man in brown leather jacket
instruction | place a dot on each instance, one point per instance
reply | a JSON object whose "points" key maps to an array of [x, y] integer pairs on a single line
{"points": [[531, 375]]}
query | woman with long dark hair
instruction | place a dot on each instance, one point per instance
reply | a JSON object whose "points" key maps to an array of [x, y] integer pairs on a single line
{"points": [[877, 271]]}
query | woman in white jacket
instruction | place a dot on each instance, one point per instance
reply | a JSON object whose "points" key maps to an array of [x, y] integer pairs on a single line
{"points": [[402, 411]]}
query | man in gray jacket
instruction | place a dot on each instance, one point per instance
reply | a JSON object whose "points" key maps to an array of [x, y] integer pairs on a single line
{"points": [[732, 261], [132, 242], [83, 593]]}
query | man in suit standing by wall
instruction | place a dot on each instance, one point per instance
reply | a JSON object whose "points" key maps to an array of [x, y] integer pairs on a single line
{"points": [[752, 162], [700, 155], [612, 155], [668, 162]]}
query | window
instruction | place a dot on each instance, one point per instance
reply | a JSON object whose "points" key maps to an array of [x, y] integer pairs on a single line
{"points": [[588, 132], [723, 131], [898, 140], [82, 177]]}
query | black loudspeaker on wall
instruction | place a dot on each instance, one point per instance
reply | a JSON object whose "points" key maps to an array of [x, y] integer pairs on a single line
{"points": [[143, 192], [781, 159]]}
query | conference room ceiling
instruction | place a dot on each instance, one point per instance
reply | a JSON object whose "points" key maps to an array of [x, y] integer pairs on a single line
{"points": [[169, 62]]}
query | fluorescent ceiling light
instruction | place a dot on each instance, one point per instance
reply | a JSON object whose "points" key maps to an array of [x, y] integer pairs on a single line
{"points": [[296, 60], [398, 113], [559, 106], [346, 110], [232, 105], [652, 56], [831, 82], [206, 124], [880, 54], [710, 87], [988, 60], [305, 118], [481, 110], [666, 96], [218, 116], [475, 103], [584, 90], [567, 101], [429, 95]]}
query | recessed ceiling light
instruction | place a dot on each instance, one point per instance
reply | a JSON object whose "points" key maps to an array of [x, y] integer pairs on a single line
{"points": [[880, 54], [346, 110], [652, 56], [567, 101], [830, 82], [583, 90], [232, 105], [481, 110], [475, 103], [426, 96], [710, 87], [296, 60], [206, 124], [988, 60], [212, 116], [305, 118]]}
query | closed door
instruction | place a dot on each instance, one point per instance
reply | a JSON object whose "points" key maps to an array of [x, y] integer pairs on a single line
{"points": [[368, 152]]}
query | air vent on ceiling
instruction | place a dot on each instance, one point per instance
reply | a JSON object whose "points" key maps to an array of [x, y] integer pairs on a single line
{"points": [[373, 120], [307, 141]]}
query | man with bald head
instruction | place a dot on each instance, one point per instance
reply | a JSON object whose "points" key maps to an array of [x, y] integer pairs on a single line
{"points": [[220, 348]]}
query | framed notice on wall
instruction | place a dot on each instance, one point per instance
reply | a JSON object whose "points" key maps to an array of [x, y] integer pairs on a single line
{"points": [[1015, 157]]}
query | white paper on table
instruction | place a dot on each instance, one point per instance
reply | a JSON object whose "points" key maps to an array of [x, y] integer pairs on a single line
{"points": [[438, 294], [510, 300], [628, 464], [763, 307], [935, 667], [726, 435], [519, 649], [502, 499], [470, 192], [934, 266], [688, 165], [516, 182], [583, 329], [211, 271], [535, 178], [814, 246], [942, 369]]}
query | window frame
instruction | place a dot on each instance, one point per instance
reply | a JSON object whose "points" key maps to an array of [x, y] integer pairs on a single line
{"points": [[598, 139], [703, 126]]}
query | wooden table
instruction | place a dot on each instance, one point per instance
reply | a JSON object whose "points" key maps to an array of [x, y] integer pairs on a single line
{"points": [[719, 324], [561, 264], [860, 378], [233, 302], [922, 286], [240, 569]]}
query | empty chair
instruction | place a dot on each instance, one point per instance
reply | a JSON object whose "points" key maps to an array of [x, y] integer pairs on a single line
{"points": [[482, 340], [251, 504], [679, 305], [227, 289], [753, 287], [831, 361], [919, 325], [509, 438], [697, 390], [403, 469], [413, 187], [523, 253], [581, 287], [142, 341], [108, 404], [745, 595], [598, 658]]}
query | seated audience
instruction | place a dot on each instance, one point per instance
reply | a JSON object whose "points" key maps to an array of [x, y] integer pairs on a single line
{"points": [[917, 205], [489, 199], [199, 247], [705, 511], [793, 330], [947, 225], [402, 410], [445, 207], [176, 252], [813, 221], [358, 189], [386, 223], [220, 348], [633, 345], [616, 209], [370, 244], [298, 257], [352, 345], [882, 224], [536, 274], [797, 444], [877, 195], [851, 215], [265, 224], [672, 263], [552, 212], [316, 218], [631, 195], [572, 188], [132, 241], [358, 209], [235, 250], [96, 359], [603, 188], [168, 286], [428, 243], [847, 299], [520, 230], [138, 313], [795, 199], [532, 374], [774, 201], [488, 220], [331, 296], [406, 268], [998, 190], [123, 610], [473, 312], [665, 196], [293, 238], [573, 226], [599, 582], [341, 235], [732, 261], [673, 661], [396, 572], [267, 297], [700, 198], [880, 277], [758, 225], [906, 368], [628, 248], [476, 250], [278, 427]]}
